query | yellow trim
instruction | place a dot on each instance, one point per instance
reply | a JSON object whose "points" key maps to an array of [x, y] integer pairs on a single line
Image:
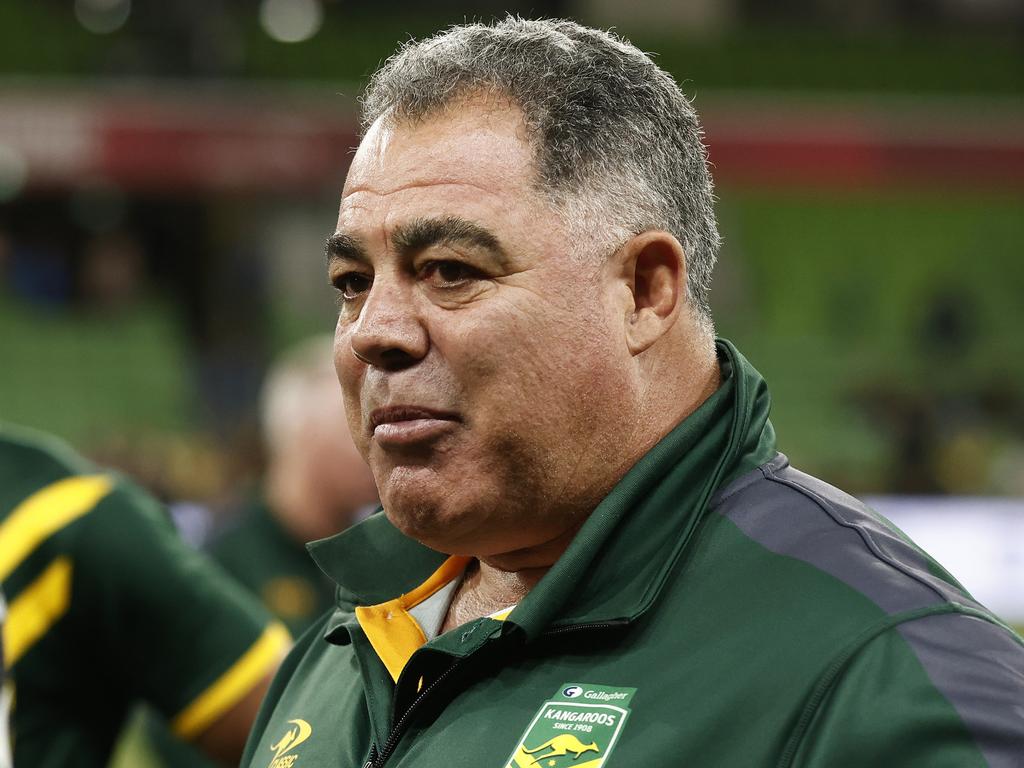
{"points": [[392, 631], [36, 609], [502, 614], [44, 513], [234, 684]]}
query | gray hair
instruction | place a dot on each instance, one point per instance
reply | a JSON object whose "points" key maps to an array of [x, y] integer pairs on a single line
{"points": [[618, 145]]}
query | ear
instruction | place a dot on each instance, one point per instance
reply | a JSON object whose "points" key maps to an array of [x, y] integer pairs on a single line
{"points": [[653, 267]]}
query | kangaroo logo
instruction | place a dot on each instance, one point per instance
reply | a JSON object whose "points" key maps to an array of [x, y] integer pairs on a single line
{"points": [[290, 741], [577, 728], [560, 746]]}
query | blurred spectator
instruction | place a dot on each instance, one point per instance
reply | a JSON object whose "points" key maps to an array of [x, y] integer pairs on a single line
{"points": [[40, 274], [316, 485], [108, 607], [112, 272], [5, 257]]}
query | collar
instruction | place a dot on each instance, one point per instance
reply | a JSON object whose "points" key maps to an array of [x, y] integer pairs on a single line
{"points": [[620, 559], [393, 627]]}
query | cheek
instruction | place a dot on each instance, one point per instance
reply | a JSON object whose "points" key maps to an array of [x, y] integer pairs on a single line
{"points": [[350, 373], [341, 353], [534, 369]]}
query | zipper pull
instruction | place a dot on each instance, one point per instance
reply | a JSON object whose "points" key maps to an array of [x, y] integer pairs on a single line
{"points": [[373, 757]]}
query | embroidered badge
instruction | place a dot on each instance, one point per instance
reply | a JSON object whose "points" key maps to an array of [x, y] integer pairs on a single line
{"points": [[578, 727]]}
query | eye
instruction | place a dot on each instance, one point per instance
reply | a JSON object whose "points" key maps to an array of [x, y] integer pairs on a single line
{"points": [[448, 274], [352, 285]]}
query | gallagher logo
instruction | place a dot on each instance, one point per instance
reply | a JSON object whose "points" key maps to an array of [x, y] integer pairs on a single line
{"points": [[298, 733], [572, 691]]}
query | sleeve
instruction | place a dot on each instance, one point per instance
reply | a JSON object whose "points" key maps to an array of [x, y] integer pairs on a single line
{"points": [[180, 633], [942, 691], [284, 675]]}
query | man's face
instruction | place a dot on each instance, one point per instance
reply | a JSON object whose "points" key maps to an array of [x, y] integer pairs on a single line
{"points": [[494, 385]]}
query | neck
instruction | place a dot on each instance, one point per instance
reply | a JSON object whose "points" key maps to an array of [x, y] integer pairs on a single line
{"points": [[672, 381], [485, 590], [498, 581]]}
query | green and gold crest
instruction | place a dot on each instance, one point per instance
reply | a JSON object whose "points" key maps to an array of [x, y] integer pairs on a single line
{"points": [[578, 727]]}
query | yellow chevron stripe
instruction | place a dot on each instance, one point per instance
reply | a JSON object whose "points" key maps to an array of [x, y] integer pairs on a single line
{"points": [[36, 609], [44, 513], [234, 684]]}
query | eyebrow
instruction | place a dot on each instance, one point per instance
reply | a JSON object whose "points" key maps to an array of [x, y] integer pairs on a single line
{"points": [[344, 246], [419, 234], [446, 230]]}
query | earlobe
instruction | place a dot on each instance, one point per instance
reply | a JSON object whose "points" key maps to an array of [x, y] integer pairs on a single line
{"points": [[655, 266]]}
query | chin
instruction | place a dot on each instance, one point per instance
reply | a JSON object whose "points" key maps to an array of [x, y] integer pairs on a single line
{"points": [[452, 512], [421, 510], [429, 524], [459, 530]]}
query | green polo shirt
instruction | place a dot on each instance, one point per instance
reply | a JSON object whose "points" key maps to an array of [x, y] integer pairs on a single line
{"points": [[264, 558], [718, 608], [108, 607]]}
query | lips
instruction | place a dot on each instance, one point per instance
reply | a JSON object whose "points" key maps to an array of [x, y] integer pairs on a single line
{"points": [[397, 413], [397, 426]]}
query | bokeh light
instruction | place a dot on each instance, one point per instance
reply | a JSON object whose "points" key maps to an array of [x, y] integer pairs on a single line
{"points": [[291, 21], [102, 17]]}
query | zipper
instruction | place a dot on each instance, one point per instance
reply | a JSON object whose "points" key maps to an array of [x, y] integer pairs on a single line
{"points": [[378, 758], [582, 627]]}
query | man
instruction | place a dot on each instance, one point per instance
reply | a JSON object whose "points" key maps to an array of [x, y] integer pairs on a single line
{"points": [[590, 550], [107, 607]]}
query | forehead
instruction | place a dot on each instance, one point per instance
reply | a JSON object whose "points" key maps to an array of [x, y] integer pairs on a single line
{"points": [[474, 157]]}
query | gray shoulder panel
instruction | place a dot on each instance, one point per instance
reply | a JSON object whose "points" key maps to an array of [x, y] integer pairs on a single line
{"points": [[979, 667], [793, 514]]}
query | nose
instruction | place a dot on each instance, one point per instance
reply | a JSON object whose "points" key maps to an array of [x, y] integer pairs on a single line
{"points": [[389, 334]]}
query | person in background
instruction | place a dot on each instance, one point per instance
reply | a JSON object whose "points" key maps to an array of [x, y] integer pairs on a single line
{"points": [[316, 485], [107, 607]]}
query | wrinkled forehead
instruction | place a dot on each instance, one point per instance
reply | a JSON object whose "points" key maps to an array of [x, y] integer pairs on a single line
{"points": [[475, 144]]}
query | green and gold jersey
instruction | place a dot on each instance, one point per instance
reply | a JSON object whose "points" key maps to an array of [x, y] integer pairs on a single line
{"points": [[718, 609], [107, 607], [261, 556]]}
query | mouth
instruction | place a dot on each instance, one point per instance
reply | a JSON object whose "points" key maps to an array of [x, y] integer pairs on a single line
{"points": [[398, 426]]}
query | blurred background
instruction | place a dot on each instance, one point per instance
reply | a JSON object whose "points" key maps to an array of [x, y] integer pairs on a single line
{"points": [[169, 171]]}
